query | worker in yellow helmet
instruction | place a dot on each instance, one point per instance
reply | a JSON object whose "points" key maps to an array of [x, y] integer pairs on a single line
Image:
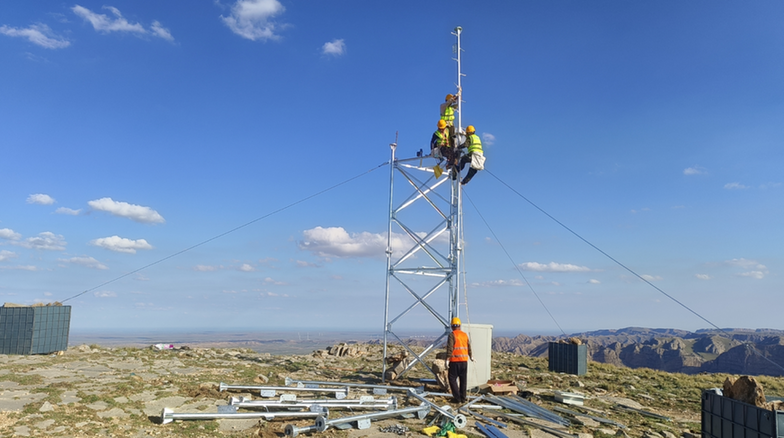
{"points": [[439, 142], [473, 155], [447, 113], [458, 352]]}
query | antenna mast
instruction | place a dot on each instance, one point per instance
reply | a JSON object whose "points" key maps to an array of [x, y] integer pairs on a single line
{"points": [[424, 265]]}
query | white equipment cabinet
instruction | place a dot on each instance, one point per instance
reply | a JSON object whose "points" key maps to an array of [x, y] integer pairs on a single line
{"points": [[481, 338]]}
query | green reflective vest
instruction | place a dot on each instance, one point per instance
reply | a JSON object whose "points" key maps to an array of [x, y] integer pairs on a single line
{"points": [[474, 144], [443, 137], [449, 114]]}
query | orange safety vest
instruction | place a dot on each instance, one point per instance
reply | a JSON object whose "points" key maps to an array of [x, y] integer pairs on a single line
{"points": [[460, 350]]}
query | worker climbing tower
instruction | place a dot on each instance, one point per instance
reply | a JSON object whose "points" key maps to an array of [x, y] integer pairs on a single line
{"points": [[424, 246]]}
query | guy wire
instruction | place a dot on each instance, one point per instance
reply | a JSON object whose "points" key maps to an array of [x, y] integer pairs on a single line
{"points": [[748, 345], [228, 232], [513, 263]]}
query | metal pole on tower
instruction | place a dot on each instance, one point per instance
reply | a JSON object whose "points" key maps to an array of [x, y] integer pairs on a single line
{"points": [[427, 214]]}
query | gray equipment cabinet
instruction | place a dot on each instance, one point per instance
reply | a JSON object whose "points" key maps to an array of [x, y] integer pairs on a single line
{"points": [[723, 417], [34, 330]]}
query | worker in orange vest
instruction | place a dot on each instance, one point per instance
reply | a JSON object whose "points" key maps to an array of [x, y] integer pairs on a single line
{"points": [[458, 352]]}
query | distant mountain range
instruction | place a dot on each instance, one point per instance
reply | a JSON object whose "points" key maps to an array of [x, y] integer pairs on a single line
{"points": [[734, 351]]}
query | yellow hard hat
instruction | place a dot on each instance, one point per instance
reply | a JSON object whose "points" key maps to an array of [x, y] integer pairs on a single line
{"points": [[470, 129], [441, 124], [455, 321], [449, 97]]}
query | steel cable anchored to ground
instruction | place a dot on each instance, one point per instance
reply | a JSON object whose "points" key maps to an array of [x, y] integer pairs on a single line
{"points": [[225, 233], [672, 298], [515, 264]]}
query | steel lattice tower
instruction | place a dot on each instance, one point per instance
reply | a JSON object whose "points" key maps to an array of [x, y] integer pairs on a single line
{"points": [[423, 275]]}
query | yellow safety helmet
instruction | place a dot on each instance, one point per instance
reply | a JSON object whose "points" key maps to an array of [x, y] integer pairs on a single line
{"points": [[470, 129], [455, 321], [441, 124], [449, 97]]}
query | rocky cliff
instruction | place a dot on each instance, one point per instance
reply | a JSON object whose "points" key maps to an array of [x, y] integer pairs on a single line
{"points": [[737, 351]]}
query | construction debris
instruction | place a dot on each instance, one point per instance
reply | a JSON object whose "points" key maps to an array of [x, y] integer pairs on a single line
{"points": [[396, 429], [396, 365], [499, 387]]}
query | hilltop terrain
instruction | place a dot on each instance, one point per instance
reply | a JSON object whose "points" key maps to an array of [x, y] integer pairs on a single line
{"points": [[92, 391], [728, 351]]}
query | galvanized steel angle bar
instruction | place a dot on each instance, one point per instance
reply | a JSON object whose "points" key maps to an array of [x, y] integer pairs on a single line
{"points": [[424, 353], [420, 300], [459, 420], [488, 432], [425, 272], [421, 191], [423, 242], [322, 423], [289, 381], [529, 409], [416, 357], [167, 415], [523, 421]]}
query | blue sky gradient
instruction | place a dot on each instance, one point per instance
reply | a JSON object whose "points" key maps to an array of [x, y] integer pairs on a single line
{"points": [[133, 130]]}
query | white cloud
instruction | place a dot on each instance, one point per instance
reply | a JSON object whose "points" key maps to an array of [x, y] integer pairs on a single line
{"points": [[335, 241], [759, 275], [696, 170], [488, 139], [68, 211], [252, 19], [272, 294], [19, 268], [744, 263], [87, 262], [7, 255], [104, 294], [7, 233], [770, 185], [552, 267], [39, 34], [304, 264], [650, 277], [642, 209], [499, 283], [136, 213], [207, 268], [46, 240], [40, 199], [161, 31], [735, 186], [269, 280], [754, 268], [105, 24], [703, 276], [594, 281], [246, 268], [121, 244], [334, 48]]}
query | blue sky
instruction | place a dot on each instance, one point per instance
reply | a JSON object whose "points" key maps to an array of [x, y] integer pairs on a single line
{"points": [[134, 130]]}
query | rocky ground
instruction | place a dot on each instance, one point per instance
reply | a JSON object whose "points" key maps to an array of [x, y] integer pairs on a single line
{"points": [[120, 392]]}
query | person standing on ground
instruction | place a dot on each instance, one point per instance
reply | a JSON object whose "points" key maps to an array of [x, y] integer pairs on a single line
{"points": [[475, 156], [458, 351]]}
